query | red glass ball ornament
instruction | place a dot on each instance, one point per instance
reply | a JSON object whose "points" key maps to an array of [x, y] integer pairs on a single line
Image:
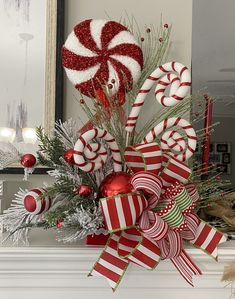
{"points": [[83, 190], [68, 156], [28, 160], [116, 183]]}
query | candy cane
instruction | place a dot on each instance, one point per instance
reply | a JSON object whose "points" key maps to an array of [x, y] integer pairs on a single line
{"points": [[95, 153], [173, 141], [164, 75]]}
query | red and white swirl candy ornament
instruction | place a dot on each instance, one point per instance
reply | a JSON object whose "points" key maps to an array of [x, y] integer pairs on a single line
{"points": [[91, 157], [172, 74], [102, 52], [34, 203]]}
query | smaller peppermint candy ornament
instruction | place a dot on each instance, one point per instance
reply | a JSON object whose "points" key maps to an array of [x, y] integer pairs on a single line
{"points": [[102, 52], [34, 203]]}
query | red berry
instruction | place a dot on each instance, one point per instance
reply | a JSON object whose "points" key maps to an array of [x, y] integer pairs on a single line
{"points": [[166, 25], [142, 39]]}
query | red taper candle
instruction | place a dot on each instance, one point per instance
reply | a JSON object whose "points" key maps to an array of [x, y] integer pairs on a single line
{"points": [[207, 132]]}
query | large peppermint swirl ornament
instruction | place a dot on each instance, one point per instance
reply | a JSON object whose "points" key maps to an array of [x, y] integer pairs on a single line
{"points": [[35, 203], [102, 52], [172, 141], [172, 74], [90, 157]]}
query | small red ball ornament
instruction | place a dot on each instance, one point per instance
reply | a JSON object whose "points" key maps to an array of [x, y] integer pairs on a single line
{"points": [[28, 160], [83, 190], [116, 183], [68, 156]]}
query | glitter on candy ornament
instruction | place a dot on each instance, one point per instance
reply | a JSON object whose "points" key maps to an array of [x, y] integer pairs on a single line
{"points": [[34, 203], [102, 52]]}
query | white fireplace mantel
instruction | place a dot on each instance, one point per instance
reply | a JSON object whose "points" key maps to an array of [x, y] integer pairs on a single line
{"points": [[61, 273]]}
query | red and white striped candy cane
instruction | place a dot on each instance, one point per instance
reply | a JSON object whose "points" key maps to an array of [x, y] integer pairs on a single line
{"points": [[96, 154], [174, 74], [172, 141]]}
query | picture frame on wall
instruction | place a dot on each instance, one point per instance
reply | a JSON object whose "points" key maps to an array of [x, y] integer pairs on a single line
{"points": [[220, 156], [32, 36]]}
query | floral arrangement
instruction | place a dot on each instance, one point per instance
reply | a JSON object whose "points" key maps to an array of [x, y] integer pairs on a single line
{"points": [[112, 177]]}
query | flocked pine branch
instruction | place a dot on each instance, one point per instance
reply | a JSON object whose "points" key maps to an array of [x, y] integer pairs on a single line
{"points": [[80, 224], [50, 148], [8, 155], [16, 220], [67, 132]]}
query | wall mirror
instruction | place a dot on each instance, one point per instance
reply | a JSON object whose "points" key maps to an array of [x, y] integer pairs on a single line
{"points": [[213, 69], [31, 78]]}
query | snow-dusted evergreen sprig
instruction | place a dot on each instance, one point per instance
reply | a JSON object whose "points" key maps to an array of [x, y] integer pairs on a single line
{"points": [[8, 155], [67, 132], [80, 224], [16, 217]]}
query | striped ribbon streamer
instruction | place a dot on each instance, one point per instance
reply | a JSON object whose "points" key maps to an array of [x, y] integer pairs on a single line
{"points": [[123, 247], [208, 238]]}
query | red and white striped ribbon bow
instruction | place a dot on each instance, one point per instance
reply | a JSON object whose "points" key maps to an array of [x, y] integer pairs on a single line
{"points": [[145, 231]]}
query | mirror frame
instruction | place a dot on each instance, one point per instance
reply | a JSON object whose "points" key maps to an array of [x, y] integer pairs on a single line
{"points": [[53, 110]]}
